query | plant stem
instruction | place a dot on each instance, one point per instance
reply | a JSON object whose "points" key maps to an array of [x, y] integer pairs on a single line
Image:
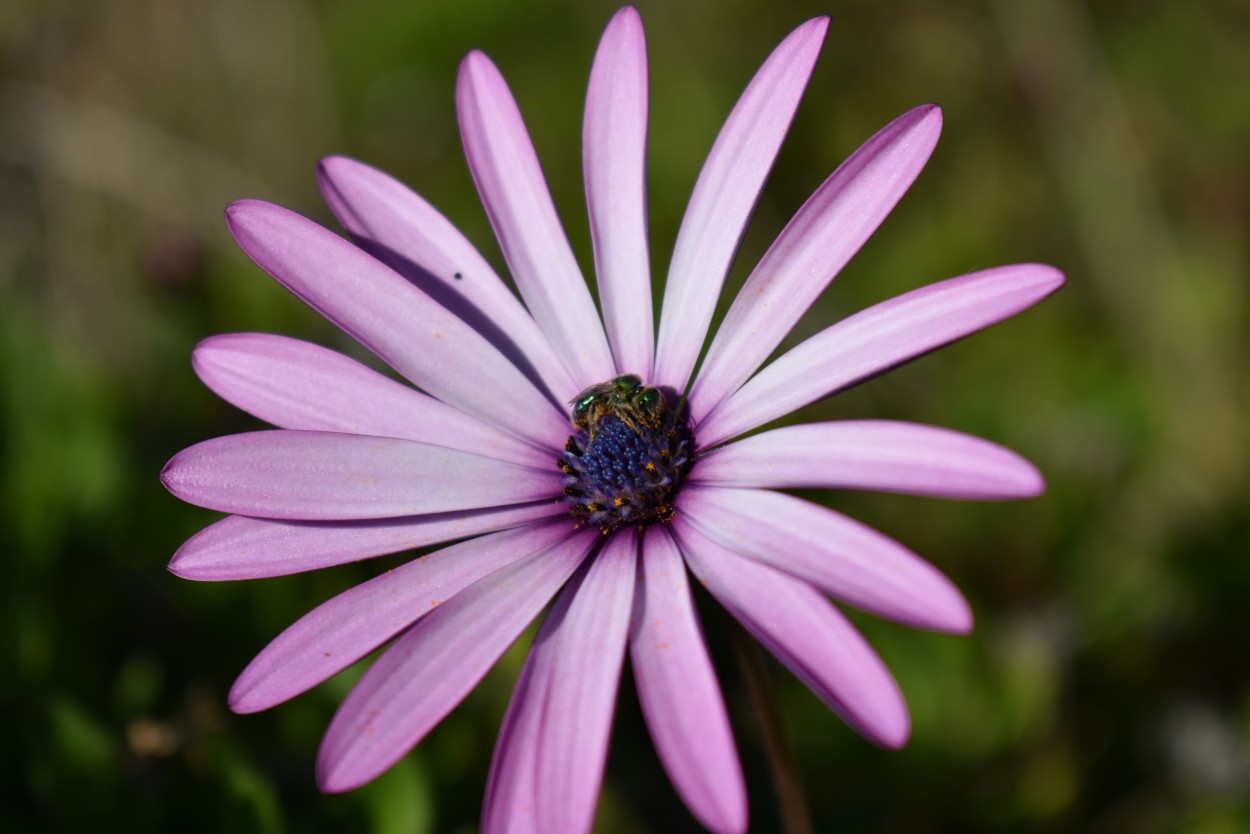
{"points": [[791, 799]]}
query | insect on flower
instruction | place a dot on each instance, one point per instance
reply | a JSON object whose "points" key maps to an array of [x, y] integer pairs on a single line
{"points": [[634, 404]]}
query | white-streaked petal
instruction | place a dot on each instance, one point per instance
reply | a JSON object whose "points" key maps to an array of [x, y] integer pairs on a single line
{"points": [[586, 633], [842, 557], [413, 334], [806, 633], [882, 455], [516, 198], [434, 665], [340, 631], [299, 385], [679, 694], [328, 476], [809, 253], [724, 197], [875, 340], [389, 220], [239, 547], [614, 155]]}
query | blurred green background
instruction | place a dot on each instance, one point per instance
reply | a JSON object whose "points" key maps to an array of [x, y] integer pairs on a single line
{"points": [[1106, 688]]}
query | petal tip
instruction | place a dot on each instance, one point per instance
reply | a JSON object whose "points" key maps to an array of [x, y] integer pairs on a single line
{"points": [[923, 123], [474, 62], [476, 72], [817, 26], [948, 611], [961, 620], [181, 567], [169, 475], [175, 568], [626, 16], [240, 704], [335, 160], [204, 356], [729, 820], [1033, 482], [807, 37], [896, 735], [1050, 277], [247, 696], [240, 209], [242, 214], [333, 167], [334, 777]]}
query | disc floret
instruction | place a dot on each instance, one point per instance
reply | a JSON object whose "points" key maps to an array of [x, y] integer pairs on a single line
{"points": [[627, 456]]}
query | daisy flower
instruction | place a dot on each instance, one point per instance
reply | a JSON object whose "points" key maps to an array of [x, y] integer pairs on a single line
{"points": [[578, 458]]}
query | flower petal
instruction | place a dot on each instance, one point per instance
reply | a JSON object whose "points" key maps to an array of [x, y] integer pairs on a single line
{"points": [[393, 223], [806, 633], [877, 339], [299, 385], [809, 253], [508, 807], [340, 631], [414, 335], [434, 665], [516, 198], [585, 634], [680, 697], [873, 454], [724, 197], [842, 557], [328, 476], [614, 155], [239, 547]]}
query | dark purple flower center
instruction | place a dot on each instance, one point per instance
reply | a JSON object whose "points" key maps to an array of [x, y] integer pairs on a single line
{"points": [[626, 467]]}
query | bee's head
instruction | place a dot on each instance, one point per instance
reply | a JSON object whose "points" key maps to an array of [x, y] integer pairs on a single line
{"points": [[626, 385]]}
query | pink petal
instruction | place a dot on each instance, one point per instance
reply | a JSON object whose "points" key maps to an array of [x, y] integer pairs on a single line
{"points": [[434, 665], [239, 547], [877, 339], [515, 195], [414, 335], [873, 454], [823, 236], [327, 476], [724, 197], [614, 148], [389, 220], [842, 557], [510, 792], [298, 385], [585, 634], [340, 631], [680, 697], [806, 633]]}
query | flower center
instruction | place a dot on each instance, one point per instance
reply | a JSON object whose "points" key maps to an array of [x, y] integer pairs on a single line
{"points": [[627, 456]]}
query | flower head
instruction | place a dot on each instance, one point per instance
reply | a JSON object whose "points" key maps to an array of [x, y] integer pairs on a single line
{"points": [[574, 458]]}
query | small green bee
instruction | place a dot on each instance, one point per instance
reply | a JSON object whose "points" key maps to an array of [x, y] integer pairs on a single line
{"points": [[634, 404]]}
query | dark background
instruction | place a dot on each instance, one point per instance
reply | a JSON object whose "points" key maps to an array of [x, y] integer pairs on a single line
{"points": [[1106, 686]]}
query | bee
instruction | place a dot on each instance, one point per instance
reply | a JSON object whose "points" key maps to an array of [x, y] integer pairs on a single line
{"points": [[634, 404]]}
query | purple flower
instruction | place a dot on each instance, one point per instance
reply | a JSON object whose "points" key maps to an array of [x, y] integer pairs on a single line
{"points": [[604, 516]]}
